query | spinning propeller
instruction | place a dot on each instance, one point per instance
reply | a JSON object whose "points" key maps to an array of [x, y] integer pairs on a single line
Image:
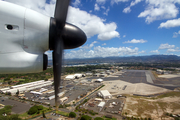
{"points": [[62, 36]]}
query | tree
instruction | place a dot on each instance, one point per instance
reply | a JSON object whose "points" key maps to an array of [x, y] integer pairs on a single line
{"points": [[72, 114], [40, 107], [98, 118], [44, 116], [85, 117], [17, 93], [14, 117], [33, 110]]}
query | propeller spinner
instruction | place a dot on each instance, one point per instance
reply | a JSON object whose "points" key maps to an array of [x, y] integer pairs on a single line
{"points": [[62, 35]]}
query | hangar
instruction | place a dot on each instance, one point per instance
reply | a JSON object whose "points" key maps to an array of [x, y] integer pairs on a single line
{"points": [[104, 94]]}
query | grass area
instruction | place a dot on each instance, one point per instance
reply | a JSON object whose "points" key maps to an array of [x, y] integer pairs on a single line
{"points": [[155, 74], [139, 106], [105, 118], [63, 113], [24, 115], [169, 94], [27, 116]]}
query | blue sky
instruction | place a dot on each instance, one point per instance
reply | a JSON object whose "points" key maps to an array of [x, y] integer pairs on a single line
{"points": [[120, 27]]}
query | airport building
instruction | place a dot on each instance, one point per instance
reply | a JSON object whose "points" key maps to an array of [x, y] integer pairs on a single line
{"points": [[26, 87], [104, 94]]}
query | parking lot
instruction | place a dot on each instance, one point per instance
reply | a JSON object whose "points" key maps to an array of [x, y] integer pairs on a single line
{"points": [[73, 89], [18, 107]]}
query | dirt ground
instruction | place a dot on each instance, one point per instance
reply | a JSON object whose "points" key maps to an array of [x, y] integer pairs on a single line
{"points": [[154, 107]]}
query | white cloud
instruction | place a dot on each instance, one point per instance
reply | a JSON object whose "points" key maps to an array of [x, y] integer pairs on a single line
{"points": [[91, 24], [142, 52], [104, 44], [49, 54], [170, 23], [88, 46], [155, 51], [160, 9], [92, 44], [108, 35], [173, 50], [124, 36], [103, 7], [76, 3], [106, 12], [37, 5], [166, 46], [136, 41], [117, 1], [102, 52], [100, 1], [175, 34], [96, 7], [128, 9]]}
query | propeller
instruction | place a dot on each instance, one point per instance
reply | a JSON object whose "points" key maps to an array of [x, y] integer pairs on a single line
{"points": [[62, 36]]}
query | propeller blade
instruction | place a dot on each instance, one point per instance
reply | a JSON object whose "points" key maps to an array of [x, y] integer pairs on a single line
{"points": [[61, 11], [57, 64]]}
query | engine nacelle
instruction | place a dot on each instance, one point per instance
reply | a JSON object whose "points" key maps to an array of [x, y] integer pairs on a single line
{"points": [[22, 62], [24, 37]]}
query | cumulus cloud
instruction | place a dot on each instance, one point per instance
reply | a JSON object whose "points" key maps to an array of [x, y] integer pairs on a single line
{"points": [[124, 36], [155, 51], [170, 23], [104, 44], [106, 12], [92, 25], [166, 46], [100, 1], [173, 50], [37, 5], [108, 35], [128, 9], [175, 34], [89, 46], [96, 7], [76, 3], [102, 52], [117, 1], [160, 9], [142, 52], [136, 41]]}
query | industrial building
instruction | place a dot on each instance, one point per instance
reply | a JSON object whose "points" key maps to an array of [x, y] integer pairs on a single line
{"points": [[70, 77], [63, 99], [59, 95], [77, 75], [101, 104], [104, 94], [26, 87], [99, 80]]}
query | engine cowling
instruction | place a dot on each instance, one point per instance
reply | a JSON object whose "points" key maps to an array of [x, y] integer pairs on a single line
{"points": [[24, 37]]}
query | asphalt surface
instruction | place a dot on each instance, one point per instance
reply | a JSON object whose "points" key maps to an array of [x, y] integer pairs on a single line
{"points": [[132, 76], [18, 107], [138, 76]]}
